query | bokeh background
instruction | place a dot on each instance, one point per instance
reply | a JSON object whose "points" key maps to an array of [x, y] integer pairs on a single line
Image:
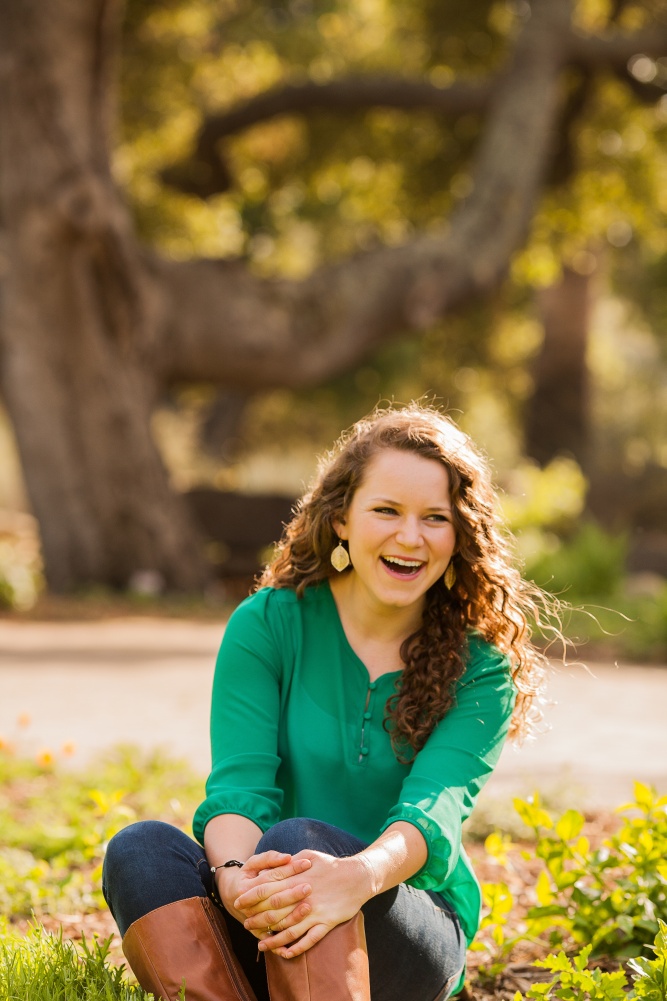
{"points": [[231, 228]]}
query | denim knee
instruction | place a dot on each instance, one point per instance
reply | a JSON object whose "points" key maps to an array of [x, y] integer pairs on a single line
{"points": [[128, 850], [297, 833], [290, 836], [149, 864]]}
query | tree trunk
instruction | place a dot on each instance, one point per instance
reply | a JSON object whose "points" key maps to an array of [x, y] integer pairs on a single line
{"points": [[558, 413], [79, 310]]}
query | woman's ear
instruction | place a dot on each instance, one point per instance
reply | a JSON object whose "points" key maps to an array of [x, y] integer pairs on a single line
{"points": [[339, 527]]}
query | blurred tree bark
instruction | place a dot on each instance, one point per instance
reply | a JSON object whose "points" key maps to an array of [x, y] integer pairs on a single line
{"points": [[557, 414], [80, 310], [93, 326]]}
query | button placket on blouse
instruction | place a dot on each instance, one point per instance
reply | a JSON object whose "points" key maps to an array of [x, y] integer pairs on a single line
{"points": [[368, 712]]}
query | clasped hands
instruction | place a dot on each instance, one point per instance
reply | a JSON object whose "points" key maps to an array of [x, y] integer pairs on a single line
{"points": [[290, 902]]}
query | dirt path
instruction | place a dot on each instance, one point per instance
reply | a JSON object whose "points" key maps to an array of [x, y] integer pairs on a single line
{"points": [[147, 682]]}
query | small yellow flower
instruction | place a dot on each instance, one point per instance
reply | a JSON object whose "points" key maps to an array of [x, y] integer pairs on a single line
{"points": [[45, 758], [6, 747], [68, 748], [24, 720]]}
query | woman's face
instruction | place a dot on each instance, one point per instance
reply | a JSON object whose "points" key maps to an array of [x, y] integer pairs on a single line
{"points": [[399, 528]]}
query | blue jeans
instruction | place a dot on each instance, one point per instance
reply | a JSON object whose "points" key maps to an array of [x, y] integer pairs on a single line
{"points": [[416, 948]]}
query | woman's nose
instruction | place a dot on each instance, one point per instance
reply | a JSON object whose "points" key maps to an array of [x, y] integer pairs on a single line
{"points": [[409, 533]]}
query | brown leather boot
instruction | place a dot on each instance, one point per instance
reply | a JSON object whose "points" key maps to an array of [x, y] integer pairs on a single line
{"points": [[336, 969], [186, 941]]}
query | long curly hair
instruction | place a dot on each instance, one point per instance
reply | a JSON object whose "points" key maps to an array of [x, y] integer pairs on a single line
{"points": [[489, 595]]}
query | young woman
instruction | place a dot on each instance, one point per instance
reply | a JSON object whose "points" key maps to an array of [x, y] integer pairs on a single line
{"points": [[361, 700]]}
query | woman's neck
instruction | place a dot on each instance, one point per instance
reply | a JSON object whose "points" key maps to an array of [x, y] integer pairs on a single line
{"points": [[369, 619]]}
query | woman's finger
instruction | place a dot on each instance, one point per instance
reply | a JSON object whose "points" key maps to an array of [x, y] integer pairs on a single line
{"points": [[277, 920], [267, 860], [292, 942], [276, 873], [264, 888], [278, 901]]}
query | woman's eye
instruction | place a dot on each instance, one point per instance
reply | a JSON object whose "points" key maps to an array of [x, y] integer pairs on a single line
{"points": [[385, 510], [437, 517]]}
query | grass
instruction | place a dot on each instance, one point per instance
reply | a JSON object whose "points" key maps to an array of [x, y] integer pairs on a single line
{"points": [[41, 966]]}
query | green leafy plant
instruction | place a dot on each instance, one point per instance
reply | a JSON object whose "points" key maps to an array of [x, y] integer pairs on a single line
{"points": [[611, 897], [574, 979], [498, 942], [589, 566], [650, 975]]}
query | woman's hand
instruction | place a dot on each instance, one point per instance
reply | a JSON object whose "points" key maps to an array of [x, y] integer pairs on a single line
{"points": [[270, 870], [336, 889]]}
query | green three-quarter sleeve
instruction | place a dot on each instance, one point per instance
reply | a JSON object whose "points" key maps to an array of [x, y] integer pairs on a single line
{"points": [[245, 711], [447, 774]]}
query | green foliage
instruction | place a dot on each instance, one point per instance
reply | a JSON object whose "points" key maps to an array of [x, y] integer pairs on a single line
{"points": [[549, 499], [650, 975], [498, 903], [55, 825], [43, 967], [21, 577], [590, 565], [306, 189], [575, 980], [611, 898], [587, 570], [302, 190]]}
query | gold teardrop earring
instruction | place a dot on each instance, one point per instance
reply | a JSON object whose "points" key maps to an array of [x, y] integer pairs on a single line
{"points": [[340, 558], [450, 576]]}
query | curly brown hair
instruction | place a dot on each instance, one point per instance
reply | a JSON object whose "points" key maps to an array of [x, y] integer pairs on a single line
{"points": [[489, 595]]}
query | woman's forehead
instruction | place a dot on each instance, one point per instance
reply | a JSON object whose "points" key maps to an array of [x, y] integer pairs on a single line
{"points": [[403, 470]]}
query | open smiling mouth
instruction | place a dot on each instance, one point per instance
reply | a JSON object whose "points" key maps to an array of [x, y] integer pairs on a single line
{"points": [[402, 568]]}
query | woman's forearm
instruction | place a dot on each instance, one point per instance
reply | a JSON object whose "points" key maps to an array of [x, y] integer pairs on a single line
{"points": [[395, 856], [229, 836]]}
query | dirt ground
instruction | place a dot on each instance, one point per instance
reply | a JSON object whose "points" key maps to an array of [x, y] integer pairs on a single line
{"points": [[147, 682]]}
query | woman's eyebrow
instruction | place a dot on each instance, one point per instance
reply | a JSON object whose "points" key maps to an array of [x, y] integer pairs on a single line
{"points": [[394, 503]]}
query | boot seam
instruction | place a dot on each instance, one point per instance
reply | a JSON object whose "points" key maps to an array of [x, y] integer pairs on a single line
{"points": [[223, 948]]}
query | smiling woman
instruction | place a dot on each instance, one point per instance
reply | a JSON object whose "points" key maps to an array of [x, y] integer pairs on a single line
{"points": [[361, 699]]}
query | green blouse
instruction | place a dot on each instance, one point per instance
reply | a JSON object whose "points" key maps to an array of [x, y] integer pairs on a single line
{"points": [[296, 731]]}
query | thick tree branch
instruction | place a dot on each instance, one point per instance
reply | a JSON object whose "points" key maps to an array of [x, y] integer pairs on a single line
{"points": [[226, 325], [205, 173], [614, 49]]}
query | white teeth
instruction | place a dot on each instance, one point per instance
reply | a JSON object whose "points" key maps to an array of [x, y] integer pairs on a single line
{"points": [[403, 563]]}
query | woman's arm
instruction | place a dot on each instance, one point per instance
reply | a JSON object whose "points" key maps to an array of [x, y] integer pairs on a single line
{"points": [[245, 713], [339, 887], [229, 836]]}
